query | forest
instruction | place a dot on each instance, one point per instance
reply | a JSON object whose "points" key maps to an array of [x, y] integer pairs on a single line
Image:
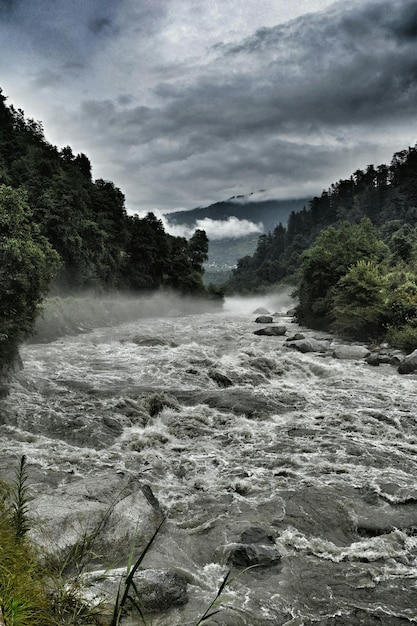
{"points": [[351, 254], [62, 232]]}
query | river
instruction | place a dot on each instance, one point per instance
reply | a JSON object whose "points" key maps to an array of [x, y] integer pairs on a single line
{"points": [[318, 452]]}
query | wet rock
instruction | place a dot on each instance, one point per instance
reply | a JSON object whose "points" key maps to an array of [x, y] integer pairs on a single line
{"points": [[220, 379], [245, 555], [254, 534], [156, 590], [156, 402], [240, 401], [296, 337], [153, 342], [256, 547], [261, 311], [271, 331], [108, 509], [351, 352], [409, 364], [309, 345], [264, 319], [373, 359]]}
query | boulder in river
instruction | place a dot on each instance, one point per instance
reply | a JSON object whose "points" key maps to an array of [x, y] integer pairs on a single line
{"points": [[107, 509], [264, 319], [309, 344], [409, 364], [220, 379], [351, 352], [157, 590], [271, 331], [256, 547], [261, 311]]}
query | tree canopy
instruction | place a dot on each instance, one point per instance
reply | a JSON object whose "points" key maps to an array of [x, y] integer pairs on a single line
{"points": [[62, 230]]}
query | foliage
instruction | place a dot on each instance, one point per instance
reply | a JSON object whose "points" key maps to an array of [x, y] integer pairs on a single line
{"points": [[359, 301], [386, 194], [23, 592], [404, 338], [20, 500], [27, 265], [61, 230], [326, 262]]}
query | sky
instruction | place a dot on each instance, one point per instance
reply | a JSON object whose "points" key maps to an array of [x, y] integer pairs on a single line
{"points": [[183, 103]]}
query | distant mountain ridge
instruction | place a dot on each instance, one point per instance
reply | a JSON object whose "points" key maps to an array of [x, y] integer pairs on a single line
{"points": [[269, 212], [225, 252]]}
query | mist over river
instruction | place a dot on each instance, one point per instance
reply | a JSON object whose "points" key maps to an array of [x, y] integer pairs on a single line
{"points": [[319, 453]]}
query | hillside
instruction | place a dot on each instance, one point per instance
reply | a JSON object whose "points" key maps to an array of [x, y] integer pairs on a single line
{"points": [[269, 212], [224, 251], [65, 233]]}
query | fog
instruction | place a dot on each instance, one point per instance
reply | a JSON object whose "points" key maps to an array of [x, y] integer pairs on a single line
{"points": [[73, 315], [279, 301]]}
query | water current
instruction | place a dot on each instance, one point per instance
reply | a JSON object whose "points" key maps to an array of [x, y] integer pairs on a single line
{"points": [[318, 452]]}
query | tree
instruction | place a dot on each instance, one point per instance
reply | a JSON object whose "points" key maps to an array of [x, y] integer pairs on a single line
{"points": [[198, 246], [360, 301], [324, 264], [27, 265]]}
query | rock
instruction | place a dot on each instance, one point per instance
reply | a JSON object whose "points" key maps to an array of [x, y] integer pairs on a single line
{"points": [[156, 402], [221, 379], [254, 534], [256, 547], [271, 331], [373, 359], [261, 311], [245, 555], [109, 510], [264, 319], [309, 345], [350, 352], [153, 342], [409, 364], [157, 590], [296, 337]]}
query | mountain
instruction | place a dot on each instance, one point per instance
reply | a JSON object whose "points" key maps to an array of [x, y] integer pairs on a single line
{"points": [[269, 212], [238, 217]]}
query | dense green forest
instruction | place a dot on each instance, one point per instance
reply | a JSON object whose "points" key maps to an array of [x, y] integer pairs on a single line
{"points": [[62, 232], [352, 254]]}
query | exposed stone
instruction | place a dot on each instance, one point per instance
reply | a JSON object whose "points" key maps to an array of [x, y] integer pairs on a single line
{"points": [[271, 331], [153, 342], [351, 352], [221, 379], [309, 344], [254, 534], [256, 547], [245, 555], [409, 364], [296, 337], [264, 319], [157, 590], [261, 311], [109, 509]]}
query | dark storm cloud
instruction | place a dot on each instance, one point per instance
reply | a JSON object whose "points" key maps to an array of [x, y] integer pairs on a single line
{"points": [[179, 120], [277, 108]]}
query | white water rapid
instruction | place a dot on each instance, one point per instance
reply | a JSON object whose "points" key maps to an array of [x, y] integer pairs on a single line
{"points": [[320, 453]]}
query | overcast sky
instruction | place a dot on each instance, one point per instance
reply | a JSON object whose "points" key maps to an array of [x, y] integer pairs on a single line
{"points": [[182, 103]]}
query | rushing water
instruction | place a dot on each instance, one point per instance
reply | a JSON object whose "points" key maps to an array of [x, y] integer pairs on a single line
{"points": [[321, 453]]}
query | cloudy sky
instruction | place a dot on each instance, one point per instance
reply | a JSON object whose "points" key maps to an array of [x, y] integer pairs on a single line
{"points": [[186, 102]]}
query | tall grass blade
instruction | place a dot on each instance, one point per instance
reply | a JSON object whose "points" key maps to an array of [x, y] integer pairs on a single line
{"points": [[128, 583], [20, 518]]}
